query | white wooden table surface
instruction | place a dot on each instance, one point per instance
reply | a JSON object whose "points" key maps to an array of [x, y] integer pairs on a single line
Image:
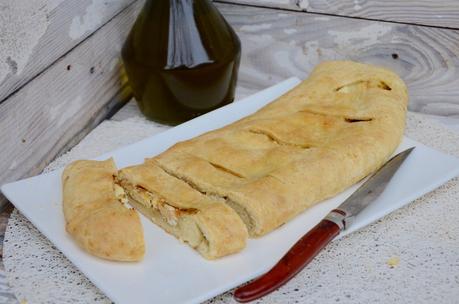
{"points": [[60, 68]]}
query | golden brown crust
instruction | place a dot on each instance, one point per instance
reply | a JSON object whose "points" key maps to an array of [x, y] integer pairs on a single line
{"points": [[332, 130], [95, 217]]}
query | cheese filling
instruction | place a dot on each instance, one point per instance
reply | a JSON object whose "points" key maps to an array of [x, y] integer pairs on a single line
{"points": [[148, 199], [121, 196]]}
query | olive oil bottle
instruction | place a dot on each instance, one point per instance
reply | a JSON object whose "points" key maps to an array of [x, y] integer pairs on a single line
{"points": [[182, 59]]}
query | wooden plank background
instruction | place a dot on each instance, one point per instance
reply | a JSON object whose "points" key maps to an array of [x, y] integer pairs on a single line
{"points": [[61, 105], [71, 96], [443, 13], [59, 37], [278, 45]]}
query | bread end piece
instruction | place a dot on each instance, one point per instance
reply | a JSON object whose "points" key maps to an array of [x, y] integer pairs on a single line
{"points": [[95, 215], [110, 233]]}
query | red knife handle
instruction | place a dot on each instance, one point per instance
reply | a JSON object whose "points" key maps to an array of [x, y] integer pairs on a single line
{"points": [[293, 262]]}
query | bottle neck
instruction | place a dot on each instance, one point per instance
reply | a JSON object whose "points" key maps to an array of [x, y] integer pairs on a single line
{"points": [[185, 46]]}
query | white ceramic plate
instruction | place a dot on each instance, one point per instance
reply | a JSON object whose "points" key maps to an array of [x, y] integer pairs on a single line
{"points": [[172, 272]]}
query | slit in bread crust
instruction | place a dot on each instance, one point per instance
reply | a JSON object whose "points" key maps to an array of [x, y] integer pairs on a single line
{"points": [[345, 118], [224, 169], [368, 83], [276, 140], [240, 210], [352, 120]]}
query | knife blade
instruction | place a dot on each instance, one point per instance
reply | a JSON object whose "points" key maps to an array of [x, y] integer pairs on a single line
{"points": [[318, 237]]}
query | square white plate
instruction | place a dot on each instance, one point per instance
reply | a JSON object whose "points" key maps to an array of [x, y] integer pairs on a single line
{"points": [[172, 272]]}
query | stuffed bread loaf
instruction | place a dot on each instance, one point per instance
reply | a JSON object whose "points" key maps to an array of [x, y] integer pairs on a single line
{"points": [[96, 213], [256, 174], [329, 132]]}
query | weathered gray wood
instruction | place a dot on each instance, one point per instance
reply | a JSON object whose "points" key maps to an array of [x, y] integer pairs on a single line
{"points": [[277, 45], [57, 26], [297, 5], [443, 13], [56, 109], [280, 44]]}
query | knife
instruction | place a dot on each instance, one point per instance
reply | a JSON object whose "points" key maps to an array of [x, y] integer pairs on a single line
{"points": [[323, 233]]}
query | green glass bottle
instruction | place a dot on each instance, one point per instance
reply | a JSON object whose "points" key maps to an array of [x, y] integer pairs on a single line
{"points": [[182, 59]]}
